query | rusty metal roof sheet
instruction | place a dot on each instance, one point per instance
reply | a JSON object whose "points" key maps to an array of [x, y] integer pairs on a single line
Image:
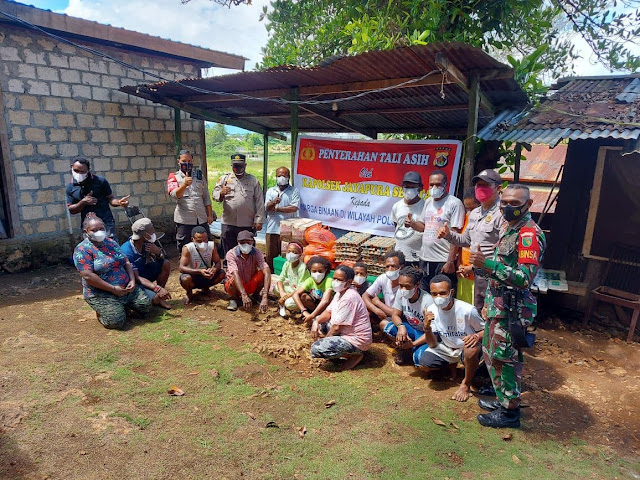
{"points": [[580, 108], [541, 165], [377, 98]]}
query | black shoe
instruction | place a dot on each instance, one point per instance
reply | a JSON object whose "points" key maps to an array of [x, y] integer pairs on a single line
{"points": [[501, 418], [489, 405]]}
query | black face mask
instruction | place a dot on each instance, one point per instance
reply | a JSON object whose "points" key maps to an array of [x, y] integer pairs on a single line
{"points": [[238, 169], [186, 167], [512, 213]]}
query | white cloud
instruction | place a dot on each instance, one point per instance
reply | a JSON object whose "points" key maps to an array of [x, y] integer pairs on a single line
{"points": [[200, 22]]}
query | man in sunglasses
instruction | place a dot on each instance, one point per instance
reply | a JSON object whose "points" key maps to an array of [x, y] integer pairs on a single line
{"points": [[510, 270], [193, 203]]}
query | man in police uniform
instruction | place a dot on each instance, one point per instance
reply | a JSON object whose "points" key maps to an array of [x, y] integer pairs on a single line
{"points": [[193, 204], [242, 202], [483, 228], [511, 270]]}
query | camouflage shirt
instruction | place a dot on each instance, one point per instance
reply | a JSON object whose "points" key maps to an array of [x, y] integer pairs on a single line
{"points": [[515, 262]]}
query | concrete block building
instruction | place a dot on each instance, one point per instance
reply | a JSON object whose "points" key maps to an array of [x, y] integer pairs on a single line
{"points": [[58, 101]]}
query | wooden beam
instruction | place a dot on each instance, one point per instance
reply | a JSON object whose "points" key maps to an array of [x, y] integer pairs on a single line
{"points": [[352, 87], [472, 131], [516, 169], [265, 163], [390, 111], [7, 181], [206, 114], [270, 115], [440, 132], [340, 122], [462, 81]]}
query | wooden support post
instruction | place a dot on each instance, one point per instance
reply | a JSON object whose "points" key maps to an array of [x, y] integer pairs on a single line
{"points": [[516, 165], [265, 162], [294, 95], [472, 130], [177, 134]]}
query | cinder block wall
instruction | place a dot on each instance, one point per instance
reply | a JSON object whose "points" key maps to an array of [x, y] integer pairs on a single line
{"points": [[60, 102]]}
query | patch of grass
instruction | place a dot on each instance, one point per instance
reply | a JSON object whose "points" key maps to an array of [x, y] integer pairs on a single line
{"points": [[140, 422], [103, 361]]}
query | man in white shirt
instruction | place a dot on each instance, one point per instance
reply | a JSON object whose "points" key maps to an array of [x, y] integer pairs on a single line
{"points": [[453, 332], [440, 209], [281, 202], [387, 284], [408, 241]]}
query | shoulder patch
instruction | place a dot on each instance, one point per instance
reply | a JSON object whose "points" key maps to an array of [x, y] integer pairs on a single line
{"points": [[528, 246]]}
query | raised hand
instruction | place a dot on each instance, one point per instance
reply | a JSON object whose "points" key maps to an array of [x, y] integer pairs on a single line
{"points": [[443, 232]]}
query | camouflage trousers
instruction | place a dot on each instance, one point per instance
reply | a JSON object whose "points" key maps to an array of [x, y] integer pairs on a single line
{"points": [[503, 361], [111, 309]]}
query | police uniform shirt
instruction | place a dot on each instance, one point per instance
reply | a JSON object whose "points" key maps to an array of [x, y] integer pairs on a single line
{"points": [[190, 208], [483, 229], [244, 204]]}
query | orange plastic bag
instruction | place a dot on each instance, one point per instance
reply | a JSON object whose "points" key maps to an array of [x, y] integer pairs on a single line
{"points": [[320, 250], [321, 235]]}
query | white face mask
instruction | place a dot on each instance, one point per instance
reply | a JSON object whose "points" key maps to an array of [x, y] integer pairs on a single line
{"points": [[404, 293], [79, 177], [410, 193], [359, 279], [317, 276], [201, 245], [392, 274], [442, 302], [292, 257], [245, 247], [282, 181], [338, 286], [97, 236], [436, 192], [152, 238]]}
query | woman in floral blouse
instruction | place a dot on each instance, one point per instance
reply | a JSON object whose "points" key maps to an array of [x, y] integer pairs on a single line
{"points": [[108, 282]]}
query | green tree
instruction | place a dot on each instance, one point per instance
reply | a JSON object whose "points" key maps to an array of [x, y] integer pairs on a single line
{"points": [[534, 36], [215, 135]]}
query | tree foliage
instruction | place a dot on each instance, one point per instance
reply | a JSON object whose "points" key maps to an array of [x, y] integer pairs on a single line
{"points": [[534, 36]]}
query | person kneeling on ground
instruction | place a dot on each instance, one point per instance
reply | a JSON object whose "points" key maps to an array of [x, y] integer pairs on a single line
{"points": [[344, 326], [108, 281], [140, 248], [407, 322], [387, 284], [455, 336], [200, 264], [360, 282], [294, 272], [314, 294], [247, 274]]}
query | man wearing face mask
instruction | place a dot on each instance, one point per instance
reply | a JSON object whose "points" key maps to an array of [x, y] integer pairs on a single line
{"points": [[281, 202], [148, 263], [408, 241], [242, 202], [453, 332], [193, 204], [89, 192], [483, 228], [387, 285], [200, 264], [247, 274], [440, 209], [510, 270]]}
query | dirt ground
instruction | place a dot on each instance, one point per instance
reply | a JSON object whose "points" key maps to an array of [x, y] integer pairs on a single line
{"points": [[578, 384]]}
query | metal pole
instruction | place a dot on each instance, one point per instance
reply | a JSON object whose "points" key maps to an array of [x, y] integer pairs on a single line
{"points": [[177, 131], [265, 162], [472, 130]]}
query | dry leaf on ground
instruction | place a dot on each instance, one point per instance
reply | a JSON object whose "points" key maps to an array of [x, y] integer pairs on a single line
{"points": [[454, 426], [175, 391], [302, 431], [437, 421], [508, 437], [272, 425], [330, 404], [516, 460], [193, 373], [250, 415]]}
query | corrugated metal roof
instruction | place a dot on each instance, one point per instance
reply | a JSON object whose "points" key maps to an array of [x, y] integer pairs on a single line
{"points": [[581, 108], [436, 103], [541, 165]]}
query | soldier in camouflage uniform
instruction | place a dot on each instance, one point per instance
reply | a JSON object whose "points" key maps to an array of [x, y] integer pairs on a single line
{"points": [[514, 264]]}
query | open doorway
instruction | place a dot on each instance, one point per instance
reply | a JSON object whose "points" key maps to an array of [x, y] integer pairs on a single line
{"points": [[4, 199]]}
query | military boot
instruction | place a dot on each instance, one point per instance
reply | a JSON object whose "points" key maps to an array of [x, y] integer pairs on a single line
{"points": [[489, 405], [501, 418]]}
